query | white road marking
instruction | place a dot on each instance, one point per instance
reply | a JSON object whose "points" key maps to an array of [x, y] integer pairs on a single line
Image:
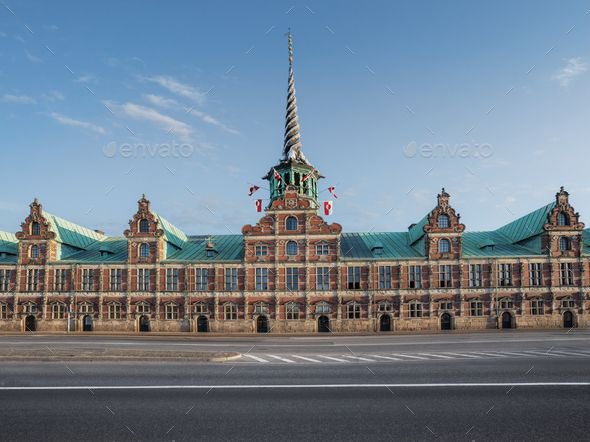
{"points": [[570, 353], [306, 359], [294, 386], [256, 358], [386, 357], [436, 356], [544, 353], [280, 358], [358, 358], [516, 354], [497, 355], [412, 356], [463, 355], [333, 359]]}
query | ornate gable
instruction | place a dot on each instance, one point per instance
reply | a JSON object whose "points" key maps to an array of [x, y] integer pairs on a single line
{"points": [[35, 221], [563, 217], [144, 223], [443, 218]]}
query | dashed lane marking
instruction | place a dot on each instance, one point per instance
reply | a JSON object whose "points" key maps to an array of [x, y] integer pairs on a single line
{"points": [[333, 359], [256, 358], [281, 358], [358, 358], [306, 358]]}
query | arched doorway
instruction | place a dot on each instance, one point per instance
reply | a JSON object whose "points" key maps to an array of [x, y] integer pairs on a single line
{"points": [[262, 324], [30, 323], [446, 322], [385, 323], [144, 324], [324, 324], [568, 320], [506, 320], [87, 323], [202, 324]]}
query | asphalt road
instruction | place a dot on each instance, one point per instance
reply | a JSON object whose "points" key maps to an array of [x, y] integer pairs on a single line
{"points": [[541, 391]]}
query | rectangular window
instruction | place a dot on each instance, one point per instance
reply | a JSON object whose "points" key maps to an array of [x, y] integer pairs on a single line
{"points": [[142, 308], [116, 280], [414, 277], [231, 312], [354, 278], [4, 280], [537, 307], [202, 279], [446, 305], [59, 280], [293, 311], [171, 279], [353, 311], [566, 273], [171, 311], [445, 276], [32, 280], [261, 278], [87, 279], [231, 279], [322, 280], [475, 275], [504, 275], [143, 280], [535, 274], [261, 250], [384, 277], [114, 311], [292, 277], [58, 311], [476, 308], [322, 248], [3, 311], [415, 309]]}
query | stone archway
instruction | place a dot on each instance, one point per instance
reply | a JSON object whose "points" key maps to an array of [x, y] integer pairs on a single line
{"points": [[202, 324], [87, 323], [262, 324], [30, 323], [385, 323], [144, 323], [324, 324], [568, 320], [446, 322], [507, 321]]}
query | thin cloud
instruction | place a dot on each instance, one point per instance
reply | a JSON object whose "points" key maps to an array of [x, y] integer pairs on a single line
{"points": [[86, 78], [178, 88], [165, 122], [170, 103], [32, 58], [54, 96], [574, 67], [67, 121], [18, 99]]}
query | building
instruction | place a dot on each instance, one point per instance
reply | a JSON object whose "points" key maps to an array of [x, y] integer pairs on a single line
{"points": [[294, 272]]}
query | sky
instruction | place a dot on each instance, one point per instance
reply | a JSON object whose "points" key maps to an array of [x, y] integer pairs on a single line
{"points": [[101, 102]]}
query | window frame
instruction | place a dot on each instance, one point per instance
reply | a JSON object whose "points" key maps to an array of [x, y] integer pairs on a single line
{"points": [[114, 311], [288, 224], [354, 275], [144, 250], [447, 221], [414, 276], [475, 275], [415, 309], [385, 277], [475, 307], [292, 311], [537, 306], [353, 310], [291, 248], [292, 278], [322, 278], [447, 245], [231, 279], [230, 311], [143, 225], [171, 311], [261, 279]]}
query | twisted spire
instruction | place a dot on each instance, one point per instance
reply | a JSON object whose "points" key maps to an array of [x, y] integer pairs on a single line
{"points": [[292, 146]]}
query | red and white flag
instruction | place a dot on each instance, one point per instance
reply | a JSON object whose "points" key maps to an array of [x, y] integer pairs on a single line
{"points": [[328, 205], [277, 175], [259, 205], [252, 190], [332, 189], [305, 177]]}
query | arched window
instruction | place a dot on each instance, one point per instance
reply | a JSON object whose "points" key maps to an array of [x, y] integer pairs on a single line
{"points": [[564, 243], [144, 226], [443, 221], [444, 246], [563, 219], [293, 310], [144, 250], [35, 229], [291, 248], [34, 251], [291, 223]]}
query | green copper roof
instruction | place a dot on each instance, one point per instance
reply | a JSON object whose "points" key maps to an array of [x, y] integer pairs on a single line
{"points": [[8, 248], [109, 250], [492, 244], [361, 246], [225, 248], [172, 234], [72, 234], [528, 225], [416, 231]]}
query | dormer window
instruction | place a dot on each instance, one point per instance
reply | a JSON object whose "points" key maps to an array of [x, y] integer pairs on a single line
{"points": [[291, 223], [444, 246], [144, 250], [35, 229], [34, 251], [563, 219], [564, 243], [377, 249], [211, 253], [443, 221], [144, 226]]}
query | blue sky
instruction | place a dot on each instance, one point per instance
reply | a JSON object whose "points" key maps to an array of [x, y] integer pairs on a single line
{"points": [[396, 100]]}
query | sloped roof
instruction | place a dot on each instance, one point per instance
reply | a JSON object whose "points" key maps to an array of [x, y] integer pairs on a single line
{"points": [[8, 247], [360, 245], [70, 233], [493, 244], [527, 226], [227, 248], [172, 234], [109, 250], [416, 231]]}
